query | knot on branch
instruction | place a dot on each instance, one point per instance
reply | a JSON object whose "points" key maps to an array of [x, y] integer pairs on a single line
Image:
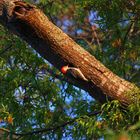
{"points": [[21, 8], [7, 9], [12, 9]]}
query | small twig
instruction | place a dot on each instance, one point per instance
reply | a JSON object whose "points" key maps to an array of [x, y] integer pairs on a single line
{"points": [[51, 72], [5, 50], [125, 37], [5, 130], [49, 129], [55, 75]]}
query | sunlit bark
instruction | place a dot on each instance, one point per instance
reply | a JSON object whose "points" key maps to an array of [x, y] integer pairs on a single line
{"points": [[59, 49]]}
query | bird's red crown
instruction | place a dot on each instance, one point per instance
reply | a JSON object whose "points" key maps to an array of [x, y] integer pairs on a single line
{"points": [[64, 69]]}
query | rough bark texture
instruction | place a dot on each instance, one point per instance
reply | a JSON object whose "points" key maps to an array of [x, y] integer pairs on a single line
{"points": [[51, 43]]}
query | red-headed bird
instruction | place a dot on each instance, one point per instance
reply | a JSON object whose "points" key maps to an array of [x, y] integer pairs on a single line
{"points": [[73, 72]]}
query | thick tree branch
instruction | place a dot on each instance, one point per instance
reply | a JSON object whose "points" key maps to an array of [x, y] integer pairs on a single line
{"points": [[50, 42]]}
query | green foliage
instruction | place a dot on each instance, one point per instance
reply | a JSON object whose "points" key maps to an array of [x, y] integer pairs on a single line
{"points": [[32, 99]]}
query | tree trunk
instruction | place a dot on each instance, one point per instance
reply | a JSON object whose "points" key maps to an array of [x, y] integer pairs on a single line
{"points": [[59, 49]]}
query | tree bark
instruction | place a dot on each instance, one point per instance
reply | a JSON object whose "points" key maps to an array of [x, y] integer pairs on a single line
{"points": [[29, 23]]}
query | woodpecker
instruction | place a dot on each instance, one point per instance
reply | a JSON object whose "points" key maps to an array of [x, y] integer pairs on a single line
{"points": [[73, 72]]}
